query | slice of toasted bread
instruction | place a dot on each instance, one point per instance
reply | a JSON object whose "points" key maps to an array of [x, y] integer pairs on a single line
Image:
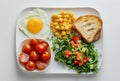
{"points": [[88, 26]]}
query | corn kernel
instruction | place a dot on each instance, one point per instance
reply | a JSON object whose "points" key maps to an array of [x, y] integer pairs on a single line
{"points": [[57, 27], [67, 16], [65, 20], [54, 16], [73, 19], [56, 33], [70, 25], [70, 20], [63, 33], [71, 14], [55, 23], [63, 12], [60, 20], [68, 32], [67, 27], [60, 36], [53, 30], [59, 16], [64, 37], [55, 20], [51, 24], [64, 23], [62, 27]]}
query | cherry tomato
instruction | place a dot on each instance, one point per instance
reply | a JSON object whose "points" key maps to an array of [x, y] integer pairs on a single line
{"points": [[30, 65], [78, 62], [78, 56], [23, 58], [41, 65], [45, 56], [40, 48], [72, 42], [45, 44], [33, 42], [26, 48], [34, 56], [76, 38], [68, 53], [75, 62], [85, 59]]}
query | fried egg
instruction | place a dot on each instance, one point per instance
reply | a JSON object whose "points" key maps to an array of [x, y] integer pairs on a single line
{"points": [[34, 24]]}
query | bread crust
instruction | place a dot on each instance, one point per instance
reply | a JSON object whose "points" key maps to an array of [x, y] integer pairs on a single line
{"points": [[88, 19], [97, 36]]}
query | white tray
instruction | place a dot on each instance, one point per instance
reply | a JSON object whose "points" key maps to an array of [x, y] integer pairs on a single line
{"points": [[55, 67]]}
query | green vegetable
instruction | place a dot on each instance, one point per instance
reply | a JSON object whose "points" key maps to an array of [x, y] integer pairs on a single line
{"points": [[59, 47]]}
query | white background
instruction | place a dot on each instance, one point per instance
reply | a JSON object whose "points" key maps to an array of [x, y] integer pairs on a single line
{"points": [[110, 12]]}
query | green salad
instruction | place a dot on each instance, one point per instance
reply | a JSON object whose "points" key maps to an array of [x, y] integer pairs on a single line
{"points": [[76, 54]]}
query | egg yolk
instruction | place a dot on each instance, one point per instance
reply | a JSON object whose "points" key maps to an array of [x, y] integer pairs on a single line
{"points": [[34, 25]]}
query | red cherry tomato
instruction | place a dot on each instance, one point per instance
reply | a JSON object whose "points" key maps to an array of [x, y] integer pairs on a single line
{"points": [[41, 65], [26, 48], [23, 58], [85, 59], [30, 65], [75, 38], [34, 56], [68, 53], [45, 56], [78, 56], [45, 44], [72, 42], [78, 62], [33, 42], [40, 48]]}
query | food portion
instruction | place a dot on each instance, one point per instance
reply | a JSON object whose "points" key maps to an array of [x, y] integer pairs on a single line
{"points": [[88, 27], [35, 54], [61, 24], [77, 54], [34, 24]]}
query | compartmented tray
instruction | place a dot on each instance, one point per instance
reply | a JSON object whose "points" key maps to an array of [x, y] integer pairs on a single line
{"points": [[55, 67]]}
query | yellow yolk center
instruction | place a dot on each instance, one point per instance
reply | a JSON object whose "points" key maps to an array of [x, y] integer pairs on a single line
{"points": [[34, 25]]}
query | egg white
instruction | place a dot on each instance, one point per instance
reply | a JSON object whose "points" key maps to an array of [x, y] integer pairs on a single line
{"points": [[35, 13]]}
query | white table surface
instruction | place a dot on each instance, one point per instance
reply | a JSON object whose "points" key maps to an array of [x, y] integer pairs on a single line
{"points": [[110, 12]]}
